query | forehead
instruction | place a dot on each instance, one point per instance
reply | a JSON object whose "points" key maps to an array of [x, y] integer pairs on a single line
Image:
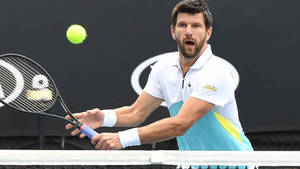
{"points": [[186, 17]]}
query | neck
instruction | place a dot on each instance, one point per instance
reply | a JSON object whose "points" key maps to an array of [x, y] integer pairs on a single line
{"points": [[186, 63]]}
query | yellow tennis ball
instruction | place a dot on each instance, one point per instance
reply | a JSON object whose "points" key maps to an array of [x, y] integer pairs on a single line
{"points": [[76, 34]]}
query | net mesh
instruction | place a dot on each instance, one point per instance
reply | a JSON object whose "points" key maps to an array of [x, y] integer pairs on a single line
{"points": [[134, 159]]}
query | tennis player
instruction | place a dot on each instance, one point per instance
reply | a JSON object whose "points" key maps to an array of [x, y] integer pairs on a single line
{"points": [[196, 85]]}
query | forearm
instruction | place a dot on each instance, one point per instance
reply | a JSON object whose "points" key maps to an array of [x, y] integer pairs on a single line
{"points": [[138, 112], [127, 117], [161, 130], [192, 111]]}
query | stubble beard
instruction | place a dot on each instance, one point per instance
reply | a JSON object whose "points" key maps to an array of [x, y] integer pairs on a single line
{"points": [[184, 50]]}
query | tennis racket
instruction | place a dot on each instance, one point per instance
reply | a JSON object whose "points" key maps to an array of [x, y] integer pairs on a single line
{"points": [[27, 87]]}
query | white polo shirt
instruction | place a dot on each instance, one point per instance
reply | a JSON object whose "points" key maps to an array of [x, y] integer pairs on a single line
{"points": [[211, 79]]}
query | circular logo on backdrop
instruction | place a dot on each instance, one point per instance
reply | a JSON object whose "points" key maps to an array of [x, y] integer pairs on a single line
{"points": [[10, 91]]}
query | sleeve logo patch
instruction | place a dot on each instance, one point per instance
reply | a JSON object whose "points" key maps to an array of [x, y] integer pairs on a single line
{"points": [[211, 88]]}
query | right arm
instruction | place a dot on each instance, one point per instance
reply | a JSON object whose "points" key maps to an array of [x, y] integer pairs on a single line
{"points": [[138, 112], [126, 116]]}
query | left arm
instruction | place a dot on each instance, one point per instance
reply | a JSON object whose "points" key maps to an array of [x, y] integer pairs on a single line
{"points": [[191, 111]]}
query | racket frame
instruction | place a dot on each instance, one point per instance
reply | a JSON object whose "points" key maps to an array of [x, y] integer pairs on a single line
{"points": [[75, 123]]}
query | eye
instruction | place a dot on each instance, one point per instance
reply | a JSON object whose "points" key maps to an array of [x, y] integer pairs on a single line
{"points": [[196, 25], [182, 25]]}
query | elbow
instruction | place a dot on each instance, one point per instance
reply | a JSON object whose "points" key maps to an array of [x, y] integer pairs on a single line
{"points": [[137, 116], [139, 121], [181, 131], [181, 128]]}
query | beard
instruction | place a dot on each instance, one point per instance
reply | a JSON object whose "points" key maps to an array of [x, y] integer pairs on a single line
{"points": [[184, 50]]}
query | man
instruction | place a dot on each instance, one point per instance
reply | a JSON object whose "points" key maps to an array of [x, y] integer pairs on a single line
{"points": [[197, 87]]}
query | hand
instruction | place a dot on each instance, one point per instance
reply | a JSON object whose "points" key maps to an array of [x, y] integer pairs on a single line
{"points": [[93, 118], [107, 141]]}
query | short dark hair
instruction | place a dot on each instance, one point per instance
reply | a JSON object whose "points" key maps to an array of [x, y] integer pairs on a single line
{"points": [[192, 7]]}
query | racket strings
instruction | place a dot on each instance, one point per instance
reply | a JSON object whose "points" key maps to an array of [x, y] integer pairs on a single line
{"points": [[18, 100], [10, 81], [28, 72], [33, 72]]}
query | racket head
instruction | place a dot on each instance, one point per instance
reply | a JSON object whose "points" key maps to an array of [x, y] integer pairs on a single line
{"points": [[28, 87], [25, 85]]}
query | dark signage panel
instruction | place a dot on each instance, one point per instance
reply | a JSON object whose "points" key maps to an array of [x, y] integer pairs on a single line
{"points": [[110, 68]]}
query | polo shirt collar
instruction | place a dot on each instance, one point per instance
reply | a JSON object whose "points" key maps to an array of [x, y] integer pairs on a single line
{"points": [[206, 55]]}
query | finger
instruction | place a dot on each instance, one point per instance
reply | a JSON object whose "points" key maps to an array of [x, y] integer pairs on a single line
{"points": [[94, 140], [81, 135], [79, 115], [107, 145], [104, 146], [76, 115], [99, 145], [67, 117], [75, 132], [69, 126]]}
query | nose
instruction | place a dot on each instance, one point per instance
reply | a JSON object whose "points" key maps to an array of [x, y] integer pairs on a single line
{"points": [[188, 31]]}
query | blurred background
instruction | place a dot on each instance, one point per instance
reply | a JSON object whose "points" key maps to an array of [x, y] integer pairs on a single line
{"points": [[260, 38]]}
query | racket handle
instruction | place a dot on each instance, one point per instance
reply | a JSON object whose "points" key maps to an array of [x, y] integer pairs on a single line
{"points": [[88, 131]]}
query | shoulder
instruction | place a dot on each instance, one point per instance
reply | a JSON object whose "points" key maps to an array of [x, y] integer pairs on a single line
{"points": [[166, 60], [221, 71], [217, 64], [220, 66]]}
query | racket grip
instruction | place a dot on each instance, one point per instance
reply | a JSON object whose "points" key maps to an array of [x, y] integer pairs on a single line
{"points": [[88, 131]]}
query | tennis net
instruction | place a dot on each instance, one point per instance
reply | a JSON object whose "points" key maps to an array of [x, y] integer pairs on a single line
{"points": [[139, 159]]}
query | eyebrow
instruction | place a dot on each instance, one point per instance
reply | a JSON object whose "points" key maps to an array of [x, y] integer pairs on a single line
{"points": [[181, 22]]}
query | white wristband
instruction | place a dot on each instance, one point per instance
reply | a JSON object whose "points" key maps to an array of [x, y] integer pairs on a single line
{"points": [[129, 138], [110, 118]]}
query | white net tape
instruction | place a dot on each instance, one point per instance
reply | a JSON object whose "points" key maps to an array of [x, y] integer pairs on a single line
{"points": [[139, 157]]}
